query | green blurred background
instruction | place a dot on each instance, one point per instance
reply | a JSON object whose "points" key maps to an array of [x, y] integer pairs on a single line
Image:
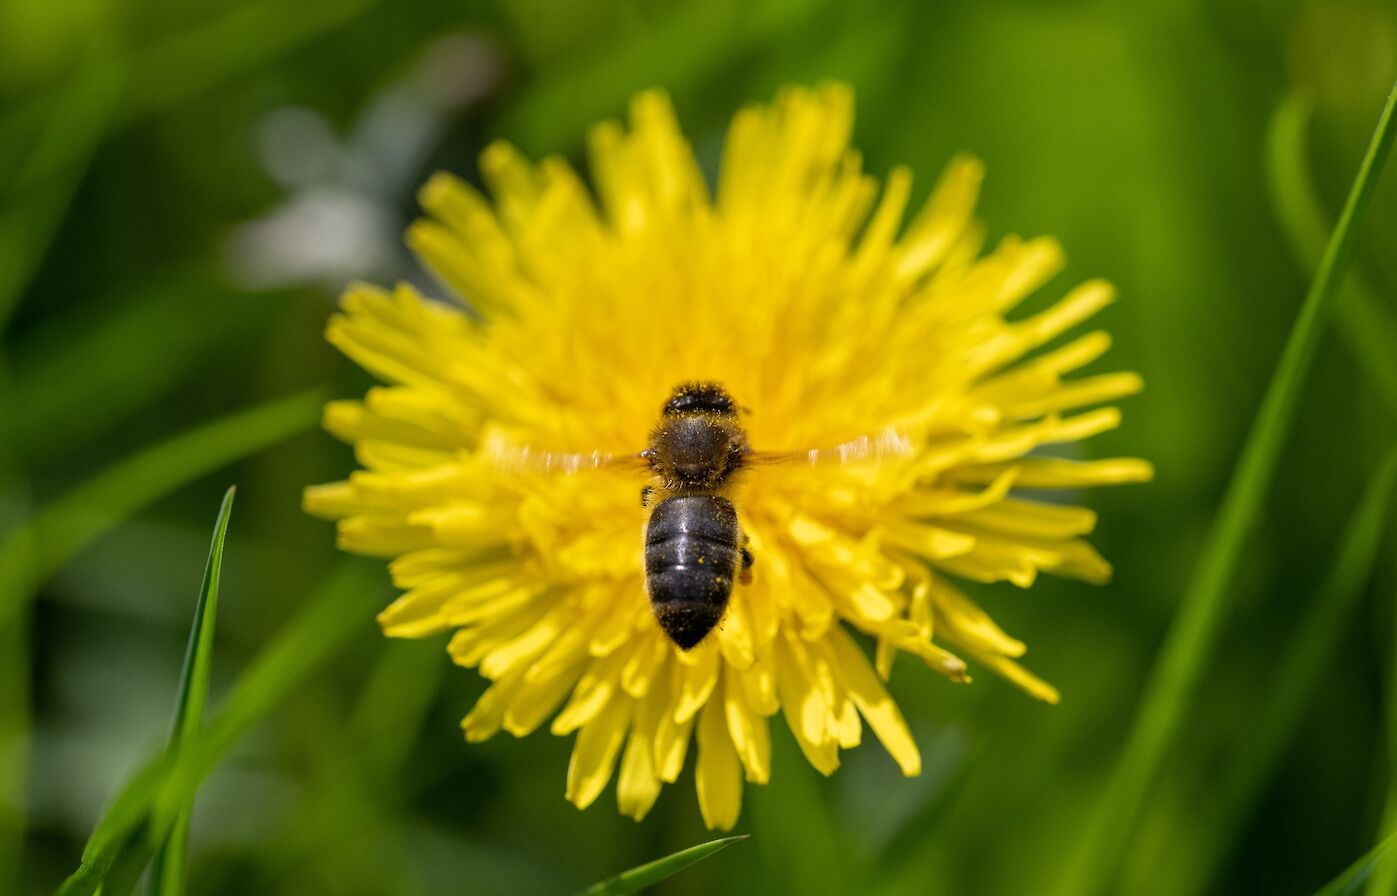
{"points": [[184, 188]]}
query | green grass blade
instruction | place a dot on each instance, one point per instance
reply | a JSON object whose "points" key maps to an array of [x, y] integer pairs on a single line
{"points": [[681, 45], [121, 85], [789, 817], [73, 379], [198, 656], [1253, 762], [1384, 882], [37, 548], [72, 522], [1352, 877], [1366, 326], [151, 803], [339, 609], [38, 199], [651, 873], [241, 38], [138, 847], [15, 722], [1190, 642], [15, 669], [167, 870]]}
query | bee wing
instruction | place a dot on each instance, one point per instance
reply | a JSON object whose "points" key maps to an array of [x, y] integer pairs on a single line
{"points": [[885, 444], [527, 459]]}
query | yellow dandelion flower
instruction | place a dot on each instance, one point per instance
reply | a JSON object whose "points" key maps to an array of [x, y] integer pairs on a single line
{"points": [[797, 288]]}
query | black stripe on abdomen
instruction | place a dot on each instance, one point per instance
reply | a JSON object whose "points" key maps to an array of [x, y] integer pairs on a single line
{"points": [[691, 552]]}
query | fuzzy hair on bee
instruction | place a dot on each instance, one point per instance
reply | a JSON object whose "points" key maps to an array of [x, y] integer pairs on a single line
{"points": [[693, 542], [694, 550]]}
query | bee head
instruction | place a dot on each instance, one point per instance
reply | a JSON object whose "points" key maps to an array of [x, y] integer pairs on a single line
{"points": [[689, 398]]}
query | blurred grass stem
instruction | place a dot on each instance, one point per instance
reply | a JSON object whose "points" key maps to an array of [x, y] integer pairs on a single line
{"points": [[118, 86], [637, 879], [69, 524], [1352, 877], [1384, 881], [37, 547], [1190, 643], [1264, 738], [153, 799], [38, 198], [14, 665], [1364, 323], [167, 868]]}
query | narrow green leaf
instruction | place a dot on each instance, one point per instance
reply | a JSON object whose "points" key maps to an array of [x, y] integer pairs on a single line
{"points": [[123, 84], [37, 200], [392, 706], [15, 671], [788, 818], [151, 803], [167, 869], [1384, 881], [1189, 645], [73, 379], [681, 46], [37, 548], [1253, 761], [651, 873], [198, 656], [340, 608], [72, 522], [214, 50], [121, 828], [136, 844], [1366, 326], [1352, 877]]}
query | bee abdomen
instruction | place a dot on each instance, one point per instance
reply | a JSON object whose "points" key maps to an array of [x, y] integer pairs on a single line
{"points": [[691, 553]]}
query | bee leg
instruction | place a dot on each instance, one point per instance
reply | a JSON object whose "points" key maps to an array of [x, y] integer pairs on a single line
{"points": [[745, 577], [645, 493]]}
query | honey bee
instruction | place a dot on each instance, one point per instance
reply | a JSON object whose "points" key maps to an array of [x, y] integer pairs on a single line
{"points": [[694, 547]]}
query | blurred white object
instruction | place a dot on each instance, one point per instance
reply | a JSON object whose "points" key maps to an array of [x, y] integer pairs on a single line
{"points": [[340, 220]]}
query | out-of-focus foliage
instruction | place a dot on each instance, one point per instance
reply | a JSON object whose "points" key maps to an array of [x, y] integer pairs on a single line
{"points": [[185, 188]]}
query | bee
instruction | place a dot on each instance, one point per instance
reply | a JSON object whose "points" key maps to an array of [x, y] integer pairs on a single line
{"points": [[694, 547]]}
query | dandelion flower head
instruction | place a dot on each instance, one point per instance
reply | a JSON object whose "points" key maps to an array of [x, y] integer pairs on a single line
{"points": [[828, 313]]}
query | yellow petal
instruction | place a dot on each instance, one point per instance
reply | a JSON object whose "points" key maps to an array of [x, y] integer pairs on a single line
{"points": [[638, 786], [873, 702], [759, 685], [546, 683], [485, 717], [717, 776], [700, 675], [591, 695], [941, 221], [750, 732], [967, 624], [419, 611], [645, 661], [1053, 472], [802, 701], [381, 536], [522, 649], [735, 633], [671, 737], [1012, 671], [594, 752], [923, 540], [1013, 516], [1075, 394]]}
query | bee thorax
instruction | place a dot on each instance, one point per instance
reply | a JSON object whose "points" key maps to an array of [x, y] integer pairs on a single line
{"points": [[697, 450]]}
